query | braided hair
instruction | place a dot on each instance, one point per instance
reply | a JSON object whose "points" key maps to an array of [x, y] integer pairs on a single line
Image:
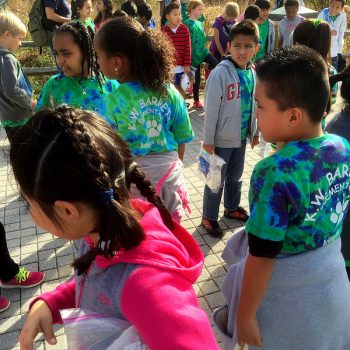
{"points": [[75, 156], [107, 13], [83, 36]]}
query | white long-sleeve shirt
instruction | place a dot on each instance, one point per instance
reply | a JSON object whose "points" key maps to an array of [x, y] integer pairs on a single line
{"points": [[338, 26]]}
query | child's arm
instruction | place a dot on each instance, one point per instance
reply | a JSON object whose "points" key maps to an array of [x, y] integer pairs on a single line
{"points": [[342, 29], [187, 51], [44, 311], [213, 98], [280, 37], [217, 42], [9, 82], [163, 307], [181, 151], [257, 274]]}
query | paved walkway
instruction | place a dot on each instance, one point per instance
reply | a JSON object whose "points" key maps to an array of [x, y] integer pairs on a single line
{"points": [[36, 249]]}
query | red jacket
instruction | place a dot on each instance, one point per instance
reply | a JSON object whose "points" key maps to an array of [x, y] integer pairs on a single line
{"points": [[182, 43]]}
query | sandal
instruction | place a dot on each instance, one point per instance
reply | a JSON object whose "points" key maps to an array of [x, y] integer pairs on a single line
{"points": [[238, 214]]}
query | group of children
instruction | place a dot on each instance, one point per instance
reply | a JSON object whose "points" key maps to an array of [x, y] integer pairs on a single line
{"points": [[112, 122]]}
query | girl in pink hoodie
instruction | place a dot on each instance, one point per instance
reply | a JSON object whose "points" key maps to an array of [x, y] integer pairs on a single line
{"points": [[135, 262]]}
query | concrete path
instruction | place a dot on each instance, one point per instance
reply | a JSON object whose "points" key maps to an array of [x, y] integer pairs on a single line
{"points": [[36, 249]]}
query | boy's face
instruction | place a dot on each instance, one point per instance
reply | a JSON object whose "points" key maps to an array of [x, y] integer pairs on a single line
{"points": [[291, 12], [13, 41], [242, 49], [335, 8], [264, 13], [271, 120], [174, 17]]}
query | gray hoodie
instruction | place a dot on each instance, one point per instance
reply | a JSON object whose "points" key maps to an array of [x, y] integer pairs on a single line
{"points": [[15, 89], [223, 114]]}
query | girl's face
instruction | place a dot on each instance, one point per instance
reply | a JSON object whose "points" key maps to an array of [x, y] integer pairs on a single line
{"points": [[68, 55], [75, 220], [174, 17], [197, 12], [100, 6], [106, 63], [86, 10]]}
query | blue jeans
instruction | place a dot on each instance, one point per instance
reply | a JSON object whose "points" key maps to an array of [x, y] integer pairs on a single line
{"points": [[231, 174]]}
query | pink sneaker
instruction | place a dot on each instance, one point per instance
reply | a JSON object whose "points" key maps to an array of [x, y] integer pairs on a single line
{"points": [[24, 279], [4, 303], [197, 105]]}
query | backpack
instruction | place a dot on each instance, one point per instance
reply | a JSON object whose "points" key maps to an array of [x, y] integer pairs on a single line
{"points": [[37, 18]]}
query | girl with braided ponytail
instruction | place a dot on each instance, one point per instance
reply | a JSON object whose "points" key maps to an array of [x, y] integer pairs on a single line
{"points": [[146, 110], [80, 83], [81, 11], [135, 263]]}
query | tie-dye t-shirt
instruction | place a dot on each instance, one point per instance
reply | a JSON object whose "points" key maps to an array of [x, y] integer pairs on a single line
{"points": [[198, 41], [147, 121], [300, 194], [85, 94], [246, 79], [88, 22]]}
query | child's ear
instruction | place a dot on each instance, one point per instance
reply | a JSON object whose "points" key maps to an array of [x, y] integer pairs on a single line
{"points": [[67, 211], [295, 117], [257, 48]]}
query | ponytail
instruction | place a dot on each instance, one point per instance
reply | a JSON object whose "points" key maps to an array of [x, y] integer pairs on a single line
{"points": [[150, 53]]}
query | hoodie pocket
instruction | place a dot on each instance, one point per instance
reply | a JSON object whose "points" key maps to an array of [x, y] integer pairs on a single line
{"points": [[226, 130]]}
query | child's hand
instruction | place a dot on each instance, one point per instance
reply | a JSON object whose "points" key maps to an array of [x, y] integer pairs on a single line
{"points": [[38, 320], [334, 32], [33, 103], [248, 331], [256, 141], [209, 148], [187, 69]]}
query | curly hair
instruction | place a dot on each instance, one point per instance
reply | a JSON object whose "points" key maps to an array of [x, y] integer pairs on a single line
{"points": [[73, 155], [107, 13], [149, 52], [83, 36]]}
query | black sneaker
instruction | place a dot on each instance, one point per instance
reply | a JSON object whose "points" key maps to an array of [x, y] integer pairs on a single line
{"points": [[212, 227]]}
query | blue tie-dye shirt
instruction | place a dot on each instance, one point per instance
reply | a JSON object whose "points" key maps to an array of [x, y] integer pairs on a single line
{"points": [[299, 195], [147, 121], [85, 94], [246, 79]]}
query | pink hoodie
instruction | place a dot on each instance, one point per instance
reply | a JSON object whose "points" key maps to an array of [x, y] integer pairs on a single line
{"points": [[154, 290]]}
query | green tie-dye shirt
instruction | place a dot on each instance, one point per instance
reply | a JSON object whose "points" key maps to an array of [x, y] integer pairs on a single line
{"points": [[85, 94], [263, 34], [299, 194], [246, 79], [198, 41], [88, 23], [147, 121]]}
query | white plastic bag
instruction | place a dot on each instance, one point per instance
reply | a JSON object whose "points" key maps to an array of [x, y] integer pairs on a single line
{"points": [[209, 167], [239, 347], [87, 330]]}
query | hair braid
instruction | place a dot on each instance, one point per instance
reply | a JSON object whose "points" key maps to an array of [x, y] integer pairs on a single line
{"points": [[83, 36], [138, 177]]}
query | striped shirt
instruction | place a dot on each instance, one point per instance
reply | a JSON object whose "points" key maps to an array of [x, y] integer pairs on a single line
{"points": [[182, 42]]}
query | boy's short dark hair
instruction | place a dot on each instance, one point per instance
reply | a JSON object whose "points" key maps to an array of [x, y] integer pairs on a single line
{"points": [[145, 10], [342, 2], [296, 76], [263, 4], [129, 8], [252, 12], [246, 27], [291, 3]]}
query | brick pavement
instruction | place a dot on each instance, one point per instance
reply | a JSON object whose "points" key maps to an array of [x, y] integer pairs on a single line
{"points": [[36, 249]]}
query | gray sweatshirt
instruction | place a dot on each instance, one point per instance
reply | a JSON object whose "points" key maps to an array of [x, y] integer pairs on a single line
{"points": [[15, 89], [223, 114]]}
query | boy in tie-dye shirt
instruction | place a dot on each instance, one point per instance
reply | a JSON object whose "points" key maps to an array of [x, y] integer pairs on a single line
{"points": [[293, 287]]}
